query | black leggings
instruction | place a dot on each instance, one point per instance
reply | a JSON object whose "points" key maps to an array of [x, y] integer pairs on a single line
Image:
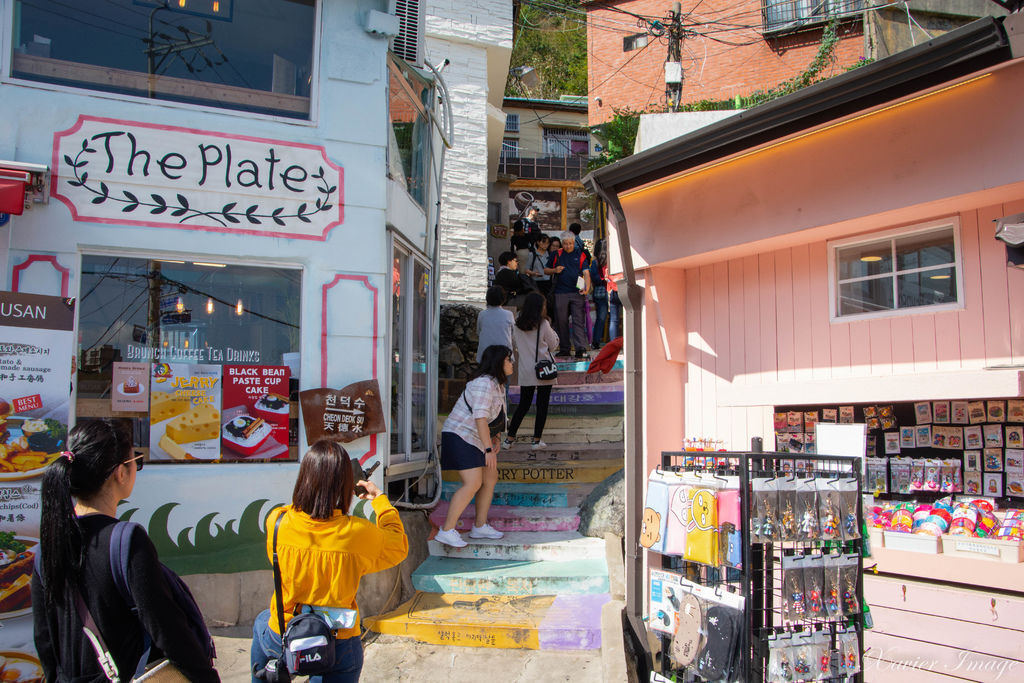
{"points": [[525, 399]]}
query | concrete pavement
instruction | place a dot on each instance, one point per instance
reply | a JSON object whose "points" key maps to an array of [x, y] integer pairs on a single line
{"points": [[392, 659]]}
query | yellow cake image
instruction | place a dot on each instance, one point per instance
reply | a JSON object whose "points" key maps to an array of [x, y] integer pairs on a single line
{"points": [[197, 424], [164, 405], [172, 449]]}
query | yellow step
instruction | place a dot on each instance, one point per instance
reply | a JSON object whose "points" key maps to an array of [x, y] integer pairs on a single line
{"points": [[551, 472]]}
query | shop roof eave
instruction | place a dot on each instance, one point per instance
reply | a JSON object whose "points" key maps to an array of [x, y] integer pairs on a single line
{"points": [[976, 46]]}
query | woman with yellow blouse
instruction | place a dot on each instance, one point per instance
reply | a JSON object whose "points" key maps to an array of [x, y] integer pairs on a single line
{"points": [[324, 552]]}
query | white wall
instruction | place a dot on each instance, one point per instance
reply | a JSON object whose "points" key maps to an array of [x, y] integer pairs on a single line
{"points": [[473, 36]]}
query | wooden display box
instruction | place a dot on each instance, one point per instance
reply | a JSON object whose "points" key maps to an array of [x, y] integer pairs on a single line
{"points": [[997, 549], [917, 543]]}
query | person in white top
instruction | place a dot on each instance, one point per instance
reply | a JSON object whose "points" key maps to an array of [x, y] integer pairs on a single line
{"points": [[469, 447], [534, 340]]}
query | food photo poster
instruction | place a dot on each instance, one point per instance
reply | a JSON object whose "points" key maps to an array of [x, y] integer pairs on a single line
{"points": [[36, 354], [255, 411], [184, 411]]}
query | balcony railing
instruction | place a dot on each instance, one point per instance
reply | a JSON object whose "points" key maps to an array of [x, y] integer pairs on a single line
{"points": [[544, 168]]}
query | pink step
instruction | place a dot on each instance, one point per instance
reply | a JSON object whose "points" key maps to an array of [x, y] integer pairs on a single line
{"points": [[513, 518]]}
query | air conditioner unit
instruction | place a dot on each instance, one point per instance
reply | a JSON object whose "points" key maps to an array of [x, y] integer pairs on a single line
{"points": [[408, 44]]}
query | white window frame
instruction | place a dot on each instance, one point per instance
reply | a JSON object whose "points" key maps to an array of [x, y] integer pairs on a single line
{"points": [[563, 137], [508, 151], [6, 64], [511, 123], [405, 454], [633, 42], [952, 222]]}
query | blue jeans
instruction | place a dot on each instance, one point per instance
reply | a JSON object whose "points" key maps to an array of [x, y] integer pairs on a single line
{"points": [[614, 315], [348, 653], [600, 315]]}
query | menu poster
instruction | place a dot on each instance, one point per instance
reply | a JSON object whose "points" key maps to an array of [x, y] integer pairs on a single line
{"points": [[184, 411], [129, 388], [36, 352], [255, 411]]}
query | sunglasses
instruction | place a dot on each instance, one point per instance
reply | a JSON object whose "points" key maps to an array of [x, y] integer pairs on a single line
{"points": [[139, 455]]}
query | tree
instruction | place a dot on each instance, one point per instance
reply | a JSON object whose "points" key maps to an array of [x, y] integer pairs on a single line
{"points": [[551, 37]]}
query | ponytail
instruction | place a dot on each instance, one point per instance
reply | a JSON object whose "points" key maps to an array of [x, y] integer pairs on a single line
{"points": [[95, 449]]}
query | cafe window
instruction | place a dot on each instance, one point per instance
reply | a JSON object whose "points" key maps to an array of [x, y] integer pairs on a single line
{"points": [[201, 356], [195, 51], [907, 270], [411, 370]]}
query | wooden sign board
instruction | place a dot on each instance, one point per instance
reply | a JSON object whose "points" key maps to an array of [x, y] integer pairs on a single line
{"points": [[342, 415]]}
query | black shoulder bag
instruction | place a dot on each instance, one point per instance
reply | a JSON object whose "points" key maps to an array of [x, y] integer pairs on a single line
{"points": [[307, 645], [544, 369], [495, 426]]}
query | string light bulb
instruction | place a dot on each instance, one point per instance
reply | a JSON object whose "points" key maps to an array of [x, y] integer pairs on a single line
{"points": [[209, 305], [238, 308], [179, 306]]}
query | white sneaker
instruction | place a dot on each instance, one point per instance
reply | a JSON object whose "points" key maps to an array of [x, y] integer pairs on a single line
{"points": [[537, 445], [506, 443], [485, 531], [451, 537]]}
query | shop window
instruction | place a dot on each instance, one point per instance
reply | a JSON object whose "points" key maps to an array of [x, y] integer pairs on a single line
{"points": [[198, 355], [409, 94], [906, 271], [411, 369], [565, 142], [199, 51]]}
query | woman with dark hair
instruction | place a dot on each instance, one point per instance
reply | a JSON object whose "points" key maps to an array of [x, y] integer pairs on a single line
{"points": [[323, 552], [599, 279], [468, 447], [534, 340], [80, 493]]}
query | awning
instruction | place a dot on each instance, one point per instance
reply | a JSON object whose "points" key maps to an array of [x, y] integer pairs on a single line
{"points": [[13, 185]]}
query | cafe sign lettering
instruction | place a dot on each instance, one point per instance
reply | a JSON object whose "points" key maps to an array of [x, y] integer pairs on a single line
{"points": [[125, 172]]}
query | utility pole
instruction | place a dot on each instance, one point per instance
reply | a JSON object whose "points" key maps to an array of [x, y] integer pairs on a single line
{"points": [[674, 61]]}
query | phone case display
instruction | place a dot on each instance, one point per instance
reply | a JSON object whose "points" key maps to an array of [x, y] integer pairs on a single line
{"points": [[789, 540]]}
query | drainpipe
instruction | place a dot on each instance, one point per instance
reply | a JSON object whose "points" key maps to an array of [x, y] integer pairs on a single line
{"points": [[634, 466]]}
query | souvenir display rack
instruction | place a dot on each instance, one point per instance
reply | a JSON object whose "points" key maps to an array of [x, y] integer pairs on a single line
{"points": [[760, 575]]}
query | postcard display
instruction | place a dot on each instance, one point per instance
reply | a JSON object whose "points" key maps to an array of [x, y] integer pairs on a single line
{"points": [[760, 577]]}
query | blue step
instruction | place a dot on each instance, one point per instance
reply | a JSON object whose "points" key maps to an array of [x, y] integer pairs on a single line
{"points": [[520, 494]]}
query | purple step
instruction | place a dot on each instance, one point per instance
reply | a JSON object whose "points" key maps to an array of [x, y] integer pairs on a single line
{"points": [[507, 518], [573, 622]]}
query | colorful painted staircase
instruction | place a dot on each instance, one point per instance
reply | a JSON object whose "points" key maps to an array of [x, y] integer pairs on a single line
{"points": [[542, 585]]}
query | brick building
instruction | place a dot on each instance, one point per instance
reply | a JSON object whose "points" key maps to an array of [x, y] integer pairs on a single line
{"points": [[627, 60], [737, 48]]}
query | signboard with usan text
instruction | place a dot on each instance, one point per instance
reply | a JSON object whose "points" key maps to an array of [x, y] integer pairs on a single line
{"points": [[126, 172]]}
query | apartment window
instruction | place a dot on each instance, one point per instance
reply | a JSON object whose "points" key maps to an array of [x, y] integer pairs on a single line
{"points": [[911, 269], [511, 123], [634, 42], [201, 52], [780, 15], [566, 142], [411, 376], [510, 148]]}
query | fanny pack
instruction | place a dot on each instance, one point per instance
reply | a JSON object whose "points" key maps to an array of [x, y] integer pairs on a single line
{"points": [[495, 426]]}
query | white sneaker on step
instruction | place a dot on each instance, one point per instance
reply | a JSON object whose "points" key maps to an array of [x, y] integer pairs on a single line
{"points": [[451, 537], [506, 443], [538, 445], [485, 531]]}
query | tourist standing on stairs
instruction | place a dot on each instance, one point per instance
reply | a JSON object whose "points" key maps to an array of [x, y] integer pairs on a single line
{"points": [[494, 324], [571, 286], [470, 441], [534, 341]]}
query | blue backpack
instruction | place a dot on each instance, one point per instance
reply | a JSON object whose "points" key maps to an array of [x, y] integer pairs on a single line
{"points": [[120, 544]]}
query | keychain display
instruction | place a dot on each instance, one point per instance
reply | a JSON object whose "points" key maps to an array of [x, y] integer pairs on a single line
{"points": [[814, 585], [829, 514], [793, 589], [848, 647], [764, 527], [807, 510], [787, 509], [848, 504], [780, 665], [831, 585], [848, 577]]}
